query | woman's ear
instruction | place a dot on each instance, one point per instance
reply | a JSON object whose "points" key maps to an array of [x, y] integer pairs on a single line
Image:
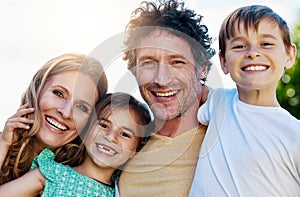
{"points": [[291, 56], [223, 64]]}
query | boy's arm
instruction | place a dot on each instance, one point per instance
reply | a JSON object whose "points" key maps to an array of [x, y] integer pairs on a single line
{"points": [[30, 184]]}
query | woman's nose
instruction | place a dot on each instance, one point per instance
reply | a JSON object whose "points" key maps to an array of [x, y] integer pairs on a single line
{"points": [[66, 109]]}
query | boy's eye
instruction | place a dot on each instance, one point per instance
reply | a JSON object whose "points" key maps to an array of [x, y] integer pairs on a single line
{"points": [[238, 46], [58, 93], [267, 44]]}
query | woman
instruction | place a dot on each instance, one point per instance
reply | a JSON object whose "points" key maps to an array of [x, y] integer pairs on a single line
{"points": [[62, 93]]}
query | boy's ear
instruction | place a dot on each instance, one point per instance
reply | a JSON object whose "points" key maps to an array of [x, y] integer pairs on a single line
{"points": [[223, 64], [291, 56]]}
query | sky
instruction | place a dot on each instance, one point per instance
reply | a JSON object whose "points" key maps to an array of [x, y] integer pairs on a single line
{"points": [[33, 32]]}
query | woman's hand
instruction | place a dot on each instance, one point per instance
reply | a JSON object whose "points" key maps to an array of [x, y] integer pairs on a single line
{"points": [[17, 121]]}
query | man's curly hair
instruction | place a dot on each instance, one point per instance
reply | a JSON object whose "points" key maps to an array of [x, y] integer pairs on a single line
{"points": [[172, 16]]}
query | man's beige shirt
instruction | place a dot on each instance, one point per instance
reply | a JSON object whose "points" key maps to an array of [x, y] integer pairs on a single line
{"points": [[164, 167]]}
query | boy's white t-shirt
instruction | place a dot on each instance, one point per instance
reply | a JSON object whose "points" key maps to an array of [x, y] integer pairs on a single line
{"points": [[248, 150]]}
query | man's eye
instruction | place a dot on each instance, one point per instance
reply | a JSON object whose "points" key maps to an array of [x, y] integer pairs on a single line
{"points": [[179, 62], [148, 63], [58, 93]]}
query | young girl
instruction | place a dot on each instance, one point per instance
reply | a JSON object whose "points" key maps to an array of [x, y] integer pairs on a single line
{"points": [[111, 140]]}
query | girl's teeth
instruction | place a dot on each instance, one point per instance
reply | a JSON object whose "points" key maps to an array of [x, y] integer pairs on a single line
{"points": [[105, 150]]}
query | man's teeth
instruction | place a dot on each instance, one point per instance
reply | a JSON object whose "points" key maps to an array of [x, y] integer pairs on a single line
{"points": [[255, 68], [56, 124], [106, 150], [166, 94]]}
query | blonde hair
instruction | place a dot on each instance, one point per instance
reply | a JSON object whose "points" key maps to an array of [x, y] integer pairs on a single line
{"points": [[19, 157]]}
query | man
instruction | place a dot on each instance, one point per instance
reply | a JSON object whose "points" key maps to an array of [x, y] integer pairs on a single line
{"points": [[168, 51]]}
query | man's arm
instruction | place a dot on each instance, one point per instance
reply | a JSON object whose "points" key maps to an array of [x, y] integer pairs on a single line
{"points": [[30, 184]]}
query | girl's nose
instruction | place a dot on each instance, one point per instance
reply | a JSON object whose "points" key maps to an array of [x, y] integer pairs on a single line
{"points": [[111, 136]]}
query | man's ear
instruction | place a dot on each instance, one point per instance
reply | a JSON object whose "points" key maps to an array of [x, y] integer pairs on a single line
{"points": [[291, 56], [223, 64], [203, 73]]}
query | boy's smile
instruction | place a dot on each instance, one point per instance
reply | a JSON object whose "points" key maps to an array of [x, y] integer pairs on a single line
{"points": [[256, 59]]}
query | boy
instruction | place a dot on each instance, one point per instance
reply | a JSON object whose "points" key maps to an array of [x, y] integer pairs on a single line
{"points": [[251, 145]]}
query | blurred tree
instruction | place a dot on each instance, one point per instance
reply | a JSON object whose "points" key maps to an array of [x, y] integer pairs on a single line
{"points": [[288, 89]]}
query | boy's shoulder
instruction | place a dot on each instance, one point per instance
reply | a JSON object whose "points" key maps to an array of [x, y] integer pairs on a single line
{"points": [[222, 93]]}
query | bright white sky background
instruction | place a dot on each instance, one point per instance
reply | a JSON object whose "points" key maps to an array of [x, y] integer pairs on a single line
{"points": [[34, 31]]}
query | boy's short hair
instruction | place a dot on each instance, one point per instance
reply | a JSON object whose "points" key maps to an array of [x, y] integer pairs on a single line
{"points": [[250, 17]]}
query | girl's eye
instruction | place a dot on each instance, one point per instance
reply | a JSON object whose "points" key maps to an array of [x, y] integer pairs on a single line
{"points": [[124, 134], [58, 93], [103, 125]]}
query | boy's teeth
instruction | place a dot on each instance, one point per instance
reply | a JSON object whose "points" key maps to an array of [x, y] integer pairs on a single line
{"points": [[166, 94], [255, 68], [56, 124]]}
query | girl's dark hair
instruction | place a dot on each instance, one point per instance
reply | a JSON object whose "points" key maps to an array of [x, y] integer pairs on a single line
{"points": [[112, 102]]}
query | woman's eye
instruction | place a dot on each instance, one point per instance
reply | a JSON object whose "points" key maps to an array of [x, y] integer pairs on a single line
{"points": [[83, 108], [58, 93]]}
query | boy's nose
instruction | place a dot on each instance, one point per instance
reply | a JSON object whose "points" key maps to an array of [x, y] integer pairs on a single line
{"points": [[252, 52]]}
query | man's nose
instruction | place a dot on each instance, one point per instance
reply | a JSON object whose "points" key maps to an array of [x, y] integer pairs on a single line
{"points": [[163, 75]]}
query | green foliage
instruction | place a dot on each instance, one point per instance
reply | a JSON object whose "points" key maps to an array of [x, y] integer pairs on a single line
{"points": [[288, 89]]}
